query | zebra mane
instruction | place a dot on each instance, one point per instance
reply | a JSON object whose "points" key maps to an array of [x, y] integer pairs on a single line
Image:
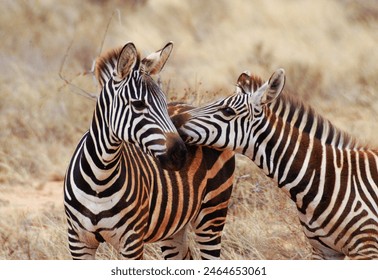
{"points": [[325, 130], [256, 82], [248, 83], [106, 64]]}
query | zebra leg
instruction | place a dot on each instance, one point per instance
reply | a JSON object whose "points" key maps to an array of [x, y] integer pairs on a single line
{"points": [[208, 227], [326, 254], [322, 256], [81, 248], [317, 255], [132, 245], [367, 256], [209, 224], [176, 247], [364, 250], [208, 237]]}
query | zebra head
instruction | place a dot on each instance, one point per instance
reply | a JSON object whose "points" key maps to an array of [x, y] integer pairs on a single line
{"points": [[232, 122], [135, 108]]}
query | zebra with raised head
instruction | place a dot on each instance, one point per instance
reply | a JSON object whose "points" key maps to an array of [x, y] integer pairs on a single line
{"points": [[115, 192], [332, 180]]}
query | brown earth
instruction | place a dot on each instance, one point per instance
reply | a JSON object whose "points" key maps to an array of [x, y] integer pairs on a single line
{"points": [[23, 199]]}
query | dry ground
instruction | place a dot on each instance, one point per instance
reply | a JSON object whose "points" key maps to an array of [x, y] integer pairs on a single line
{"points": [[328, 49]]}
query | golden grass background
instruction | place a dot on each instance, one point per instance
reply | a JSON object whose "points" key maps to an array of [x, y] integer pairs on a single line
{"points": [[328, 49]]}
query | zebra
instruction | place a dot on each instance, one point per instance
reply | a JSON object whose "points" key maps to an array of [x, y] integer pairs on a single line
{"points": [[132, 180], [331, 178]]}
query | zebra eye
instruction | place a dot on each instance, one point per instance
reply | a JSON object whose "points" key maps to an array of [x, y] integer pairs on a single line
{"points": [[139, 105], [227, 111]]}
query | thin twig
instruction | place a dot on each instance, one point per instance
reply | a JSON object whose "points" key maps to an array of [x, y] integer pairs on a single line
{"points": [[107, 28], [81, 91]]}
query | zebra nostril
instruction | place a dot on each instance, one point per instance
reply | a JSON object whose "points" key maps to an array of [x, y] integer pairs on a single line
{"points": [[175, 157], [178, 155]]}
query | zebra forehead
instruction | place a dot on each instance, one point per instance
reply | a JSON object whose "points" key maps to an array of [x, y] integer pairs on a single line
{"points": [[256, 82]]}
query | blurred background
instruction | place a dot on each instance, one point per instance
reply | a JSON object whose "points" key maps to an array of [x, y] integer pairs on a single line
{"points": [[327, 47]]}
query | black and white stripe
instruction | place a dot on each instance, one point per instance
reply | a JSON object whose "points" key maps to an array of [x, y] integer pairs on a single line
{"points": [[332, 180], [116, 192]]}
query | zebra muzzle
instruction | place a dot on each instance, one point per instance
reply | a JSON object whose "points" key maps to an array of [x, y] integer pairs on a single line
{"points": [[175, 157]]}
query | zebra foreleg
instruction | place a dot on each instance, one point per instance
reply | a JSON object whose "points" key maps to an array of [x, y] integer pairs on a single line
{"points": [[80, 248], [323, 253], [176, 247], [132, 246], [208, 229], [209, 244]]}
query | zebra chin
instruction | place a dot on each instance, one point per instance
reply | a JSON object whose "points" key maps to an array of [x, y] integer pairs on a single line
{"points": [[175, 157]]}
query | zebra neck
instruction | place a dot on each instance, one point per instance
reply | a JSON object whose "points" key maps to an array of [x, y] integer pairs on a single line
{"points": [[289, 143], [102, 150]]}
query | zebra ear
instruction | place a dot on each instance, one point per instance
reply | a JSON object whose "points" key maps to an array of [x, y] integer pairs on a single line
{"points": [[271, 89], [248, 83], [243, 85], [155, 62], [127, 60]]}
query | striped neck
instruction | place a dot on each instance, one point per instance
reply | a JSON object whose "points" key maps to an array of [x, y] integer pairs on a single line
{"points": [[101, 146], [288, 141]]}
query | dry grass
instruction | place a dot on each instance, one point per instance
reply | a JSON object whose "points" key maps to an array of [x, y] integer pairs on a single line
{"points": [[328, 49]]}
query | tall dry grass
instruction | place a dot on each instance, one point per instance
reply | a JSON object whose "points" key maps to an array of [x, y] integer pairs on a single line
{"points": [[328, 49]]}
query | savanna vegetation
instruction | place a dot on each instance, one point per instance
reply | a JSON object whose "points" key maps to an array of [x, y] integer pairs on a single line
{"points": [[328, 49]]}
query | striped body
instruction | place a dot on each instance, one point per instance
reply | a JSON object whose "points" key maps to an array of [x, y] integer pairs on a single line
{"points": [[166, 203], [133, 200], [332, 180]]}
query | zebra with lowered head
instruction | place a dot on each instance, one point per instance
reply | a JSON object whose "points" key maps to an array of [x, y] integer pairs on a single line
{"points": [[332, 179], [116, 192]]}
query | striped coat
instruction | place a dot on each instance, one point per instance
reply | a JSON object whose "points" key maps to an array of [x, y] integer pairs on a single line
{"points": [[332, 179], [133, 200]]}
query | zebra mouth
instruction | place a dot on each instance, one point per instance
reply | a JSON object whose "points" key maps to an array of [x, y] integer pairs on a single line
{"points": [[189, 139], [184, 136], [175, 157]]}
